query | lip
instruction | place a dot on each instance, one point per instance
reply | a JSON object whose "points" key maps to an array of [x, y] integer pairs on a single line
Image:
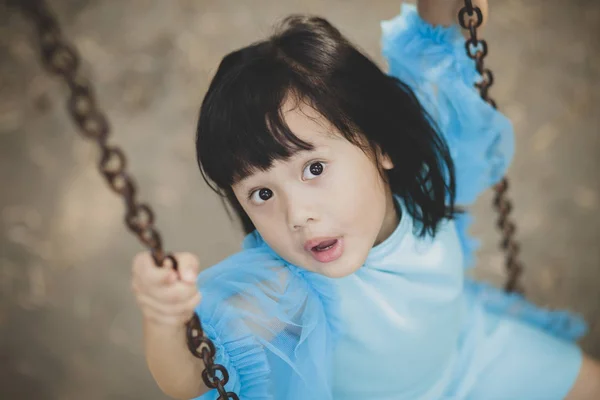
{"points": [[325, 256], [309, 244]]}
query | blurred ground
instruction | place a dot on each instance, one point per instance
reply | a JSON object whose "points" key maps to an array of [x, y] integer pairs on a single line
{"points": [[69, 328]]}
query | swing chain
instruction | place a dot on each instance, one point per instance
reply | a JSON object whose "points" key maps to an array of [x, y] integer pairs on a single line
{"points": [[60, 58], [477, 50]]}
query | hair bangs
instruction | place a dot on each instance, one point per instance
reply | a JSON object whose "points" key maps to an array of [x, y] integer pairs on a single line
{"points": [[249, 132]]}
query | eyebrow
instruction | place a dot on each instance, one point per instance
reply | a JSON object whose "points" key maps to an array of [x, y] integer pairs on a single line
{"points": [[315, 149], [297, 154]]}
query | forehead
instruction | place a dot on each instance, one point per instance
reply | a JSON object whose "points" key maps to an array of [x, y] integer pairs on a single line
{"points": [[307, 123]]}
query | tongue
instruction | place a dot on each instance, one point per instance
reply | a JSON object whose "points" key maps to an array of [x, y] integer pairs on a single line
{"points": [[325, 244]]}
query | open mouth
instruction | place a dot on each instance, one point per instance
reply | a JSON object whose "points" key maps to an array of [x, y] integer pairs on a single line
{"points": [[326, 250], [324, 246]]}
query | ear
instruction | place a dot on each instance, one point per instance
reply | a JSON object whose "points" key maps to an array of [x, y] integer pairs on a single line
{"points": [[385, 161]]}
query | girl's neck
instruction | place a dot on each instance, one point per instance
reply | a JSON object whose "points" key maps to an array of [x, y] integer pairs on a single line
{"points": [[390, 221]]}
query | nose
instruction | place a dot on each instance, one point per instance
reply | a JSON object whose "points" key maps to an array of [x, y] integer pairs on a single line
{"points": [[300, 211]]}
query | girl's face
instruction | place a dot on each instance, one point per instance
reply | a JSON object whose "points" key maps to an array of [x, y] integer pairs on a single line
{"points": [[324, 209]]}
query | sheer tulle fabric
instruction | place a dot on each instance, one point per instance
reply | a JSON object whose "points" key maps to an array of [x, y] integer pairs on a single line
{"points": [[275, 325]]}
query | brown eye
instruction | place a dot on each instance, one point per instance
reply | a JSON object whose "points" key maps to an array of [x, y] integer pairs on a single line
{"points": [[265, 194], [261, 195], [313, 170]]}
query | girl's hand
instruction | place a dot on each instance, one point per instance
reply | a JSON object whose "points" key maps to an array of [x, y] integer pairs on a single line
{"points": [[166, 297], [445, 12]]}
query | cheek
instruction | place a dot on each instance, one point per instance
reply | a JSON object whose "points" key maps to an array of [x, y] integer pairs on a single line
{"points": [[273, 231], [265, 224], [364, 201], [364, 187]]}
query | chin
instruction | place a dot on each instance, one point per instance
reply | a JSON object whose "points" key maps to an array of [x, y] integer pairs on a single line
{"points": [[338, 269]]}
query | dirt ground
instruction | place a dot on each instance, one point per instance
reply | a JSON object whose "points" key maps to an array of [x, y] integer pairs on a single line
{"points": [[69, 326]]}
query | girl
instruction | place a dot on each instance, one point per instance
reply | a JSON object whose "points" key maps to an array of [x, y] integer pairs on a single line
{"points": [[350, 284]]}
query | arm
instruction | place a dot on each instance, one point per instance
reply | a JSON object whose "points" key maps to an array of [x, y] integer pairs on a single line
{"points": [[167, 300], [176, 371]]}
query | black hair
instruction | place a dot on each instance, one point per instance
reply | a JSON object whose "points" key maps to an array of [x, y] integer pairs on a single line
{"points": [[241, 127]]}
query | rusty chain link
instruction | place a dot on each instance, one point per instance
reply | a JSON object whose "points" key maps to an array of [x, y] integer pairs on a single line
{"points": [[60, 58], [471, 18]]}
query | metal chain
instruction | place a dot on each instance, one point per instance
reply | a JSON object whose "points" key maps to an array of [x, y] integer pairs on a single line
{"points": [[60, 58], [471, 18]]}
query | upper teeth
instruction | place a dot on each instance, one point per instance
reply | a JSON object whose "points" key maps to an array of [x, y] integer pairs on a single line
{"points": [[325, 245]]}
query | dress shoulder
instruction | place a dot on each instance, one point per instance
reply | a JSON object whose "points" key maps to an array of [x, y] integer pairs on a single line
{"points": [[272, 325]]}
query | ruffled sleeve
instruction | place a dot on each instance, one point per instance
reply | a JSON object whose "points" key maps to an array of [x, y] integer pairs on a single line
{"points": [[272, 324], [433, 62], [560, 323]]}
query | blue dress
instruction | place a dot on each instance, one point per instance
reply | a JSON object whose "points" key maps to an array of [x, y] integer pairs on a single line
{"points": [[408, 324]]}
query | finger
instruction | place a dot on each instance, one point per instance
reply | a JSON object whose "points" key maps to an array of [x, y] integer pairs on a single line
{"points": [[188, 267], [177, 293], [192, 303], [159, 276], [158, 307], [172, 277], [181, 309], [148, 273]]}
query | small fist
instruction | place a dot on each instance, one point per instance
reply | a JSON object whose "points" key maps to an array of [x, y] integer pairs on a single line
{"points": [[445, 12], [166, 296]]}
